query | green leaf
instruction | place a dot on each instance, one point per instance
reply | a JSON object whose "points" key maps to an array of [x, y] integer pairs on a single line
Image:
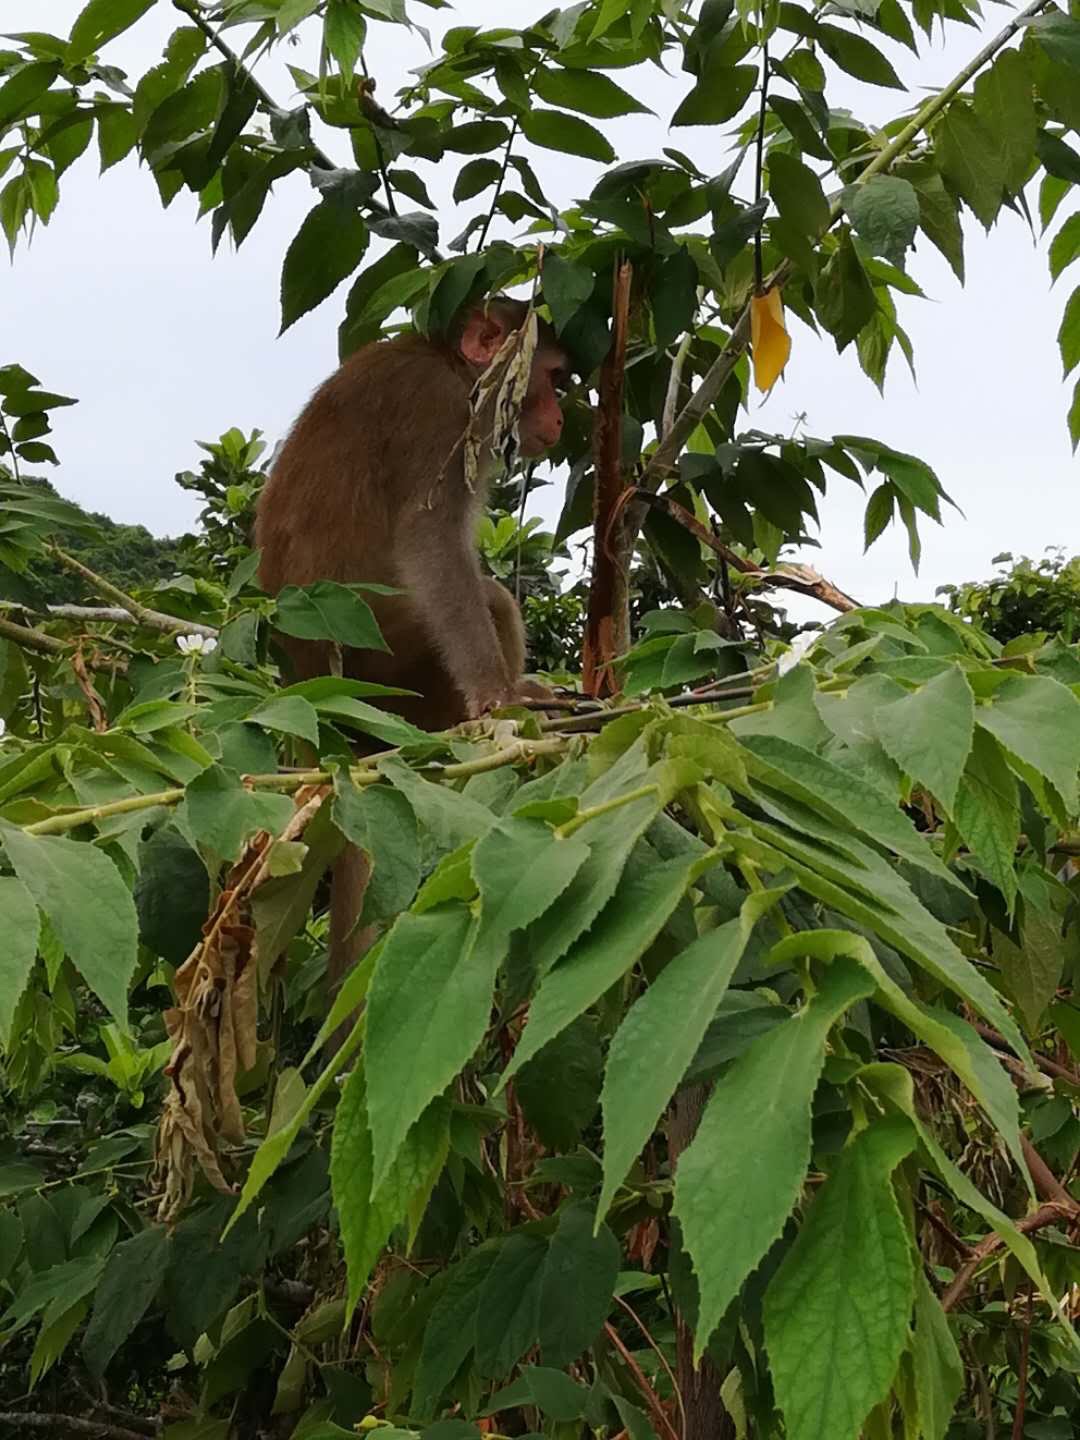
{"points": [[554, 130], [1032, 970], [1038, 719], [939, 219], [674, 296], [67, 1282], [1058, 158], [381, 821], [567, 286], [627, 926], [929, 733], [971, 161], [508, 1312], [328, 611], [661, 1033], [99, 22], [478, 175], [1059, 36], [88, 905], [30, 402], [587, 91], [844, 1288], [741, 1174], [1065, 246], [132, 1278], [718, 96], [843, 296], [798, 194], [450, 1333], [885, 214], [288, 714], [521, 868], [939, 1367], [222, 814], [559, 1089], [19, 924], [987, 812], [24, 85], [1005, 107], [857, 56], [344, 32], [366, 1218], [428, 1008], [1069, 334], [328, 247], [172, 895], [450, 818], [577, 1283]]}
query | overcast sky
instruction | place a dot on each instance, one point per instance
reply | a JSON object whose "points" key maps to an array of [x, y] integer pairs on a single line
{"points": [[122, 304]]}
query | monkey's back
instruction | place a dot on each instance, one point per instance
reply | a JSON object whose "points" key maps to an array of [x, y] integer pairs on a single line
{"points": [[366, 449]]}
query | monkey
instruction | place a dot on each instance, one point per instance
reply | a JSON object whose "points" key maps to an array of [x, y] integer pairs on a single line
{"points": [[370, 486]]}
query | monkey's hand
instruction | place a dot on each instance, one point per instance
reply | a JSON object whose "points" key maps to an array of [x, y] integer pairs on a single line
{"points": [[484, 699]]}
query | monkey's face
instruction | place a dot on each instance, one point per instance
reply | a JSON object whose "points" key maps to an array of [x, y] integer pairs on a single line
{"points": [[541, 414]]}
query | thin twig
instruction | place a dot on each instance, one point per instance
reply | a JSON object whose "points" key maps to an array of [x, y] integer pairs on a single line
{"points": [[499, 183], [759, 163], [652, 1400], [1048, 1067], [55, 1424], [1047, 1214], [380, 155], [659, 1355], [1022, 1374]]}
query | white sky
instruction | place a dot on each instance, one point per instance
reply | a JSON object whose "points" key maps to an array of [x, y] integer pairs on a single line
{"points": [[121, 304]]}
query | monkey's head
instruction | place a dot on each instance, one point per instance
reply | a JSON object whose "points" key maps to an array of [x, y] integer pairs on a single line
{"points": [[483, 332]]}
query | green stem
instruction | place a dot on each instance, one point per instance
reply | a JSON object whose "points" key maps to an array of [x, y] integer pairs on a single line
{"points": [[584, 816]]}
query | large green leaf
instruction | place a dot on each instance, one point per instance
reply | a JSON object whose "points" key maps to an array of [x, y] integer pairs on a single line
{"points": [[87, 904], [328, 246], [132, 1278], [971, 161], [741, 1174], [718, 96], [428, 1008], [1069, 334], [1065, 246], [939, 1367], [23, 86], [328, 611], [222, 814], [660, 1035], [99, 22], [885, 214], [1005, 106], [585, 90], [381, 821], [567, 286], [450, 818], [929, 733], [450, 1333], [367, 1216], [577, 1282], [19, 924], [987, 812], [521, 868], [845, 1288], [569, 134], [857, 56], [798, 194], [627, 926], [1038, 719], [508, 1310]]}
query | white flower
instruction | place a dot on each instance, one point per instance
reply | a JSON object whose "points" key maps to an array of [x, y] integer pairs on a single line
{"points": [[799, 647], [196, 644], [3, 728]]}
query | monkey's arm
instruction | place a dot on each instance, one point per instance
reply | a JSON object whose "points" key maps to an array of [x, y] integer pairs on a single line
{"points": [[439, 568]]}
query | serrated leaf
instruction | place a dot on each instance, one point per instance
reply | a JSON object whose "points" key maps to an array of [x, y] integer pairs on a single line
{"points": [[586, 90], [939, 1367], [289, 715], [567, 285], [798, 194], [19, 924], [1038, 719], [627, 926], [428, 1008], [368, 1216], [739, 1177], [987, 812], [1065, 246], [381, 821], [328, 247], [885, 214], [88, 905], [844, 1288], [1005, 107], [222, 814], [971, 162], [857, 56], [929, 733], [132, 1278], [328, 611], [569, 134], [521, 868], [660, 1035], [1069, 334]]}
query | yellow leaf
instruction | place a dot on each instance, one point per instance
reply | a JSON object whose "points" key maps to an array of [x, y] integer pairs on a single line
{"points": [[769, 339]]}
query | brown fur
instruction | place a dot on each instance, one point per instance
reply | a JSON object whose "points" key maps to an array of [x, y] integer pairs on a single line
{"points": [[370, 486]]}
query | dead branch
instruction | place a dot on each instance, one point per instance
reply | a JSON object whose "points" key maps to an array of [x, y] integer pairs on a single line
{"points": [[802, 578], [1047, 1214]]}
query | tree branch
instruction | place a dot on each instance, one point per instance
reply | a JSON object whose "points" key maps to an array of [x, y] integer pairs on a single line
{"points": [[662, 460], [55, 1424], [32, 639], [135, 613], [1038, 1220]]}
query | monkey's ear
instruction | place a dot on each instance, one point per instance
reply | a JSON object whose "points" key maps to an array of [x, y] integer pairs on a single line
{"points": [[481, 337]]}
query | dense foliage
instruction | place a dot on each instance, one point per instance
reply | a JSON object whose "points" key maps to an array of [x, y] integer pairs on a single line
{"points": [[713, 1071], [1035, 598]]}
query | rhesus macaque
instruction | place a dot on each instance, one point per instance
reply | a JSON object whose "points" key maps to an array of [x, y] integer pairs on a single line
{"points": [[370, 486]]}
